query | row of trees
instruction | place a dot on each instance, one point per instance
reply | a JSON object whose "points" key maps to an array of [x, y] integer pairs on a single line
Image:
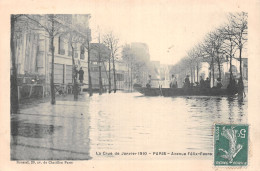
{"points": [[138, 64], [55, 26], [221, 45]]}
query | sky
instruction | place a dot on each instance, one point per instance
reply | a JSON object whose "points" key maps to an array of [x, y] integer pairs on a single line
{"points": [[159, 25]]}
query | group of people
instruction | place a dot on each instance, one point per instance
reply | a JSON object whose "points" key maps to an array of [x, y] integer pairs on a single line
{"points": [[202, 84], [187, 84], [233, 86], [79, 72], [205, 83], [173, 83]]}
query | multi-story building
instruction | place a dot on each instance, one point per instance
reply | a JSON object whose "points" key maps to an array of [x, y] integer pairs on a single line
{"points": [[33, 52]]}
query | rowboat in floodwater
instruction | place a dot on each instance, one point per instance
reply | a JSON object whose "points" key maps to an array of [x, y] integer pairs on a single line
{"points": [[193, 91]]}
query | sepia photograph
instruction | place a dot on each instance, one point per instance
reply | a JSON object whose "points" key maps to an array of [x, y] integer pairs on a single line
{"points": [[131, 82]]}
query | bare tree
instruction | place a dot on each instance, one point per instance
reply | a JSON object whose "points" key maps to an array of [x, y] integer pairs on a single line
{"points": [[197, 56], [209, 57], [211, 47], [74, 37], [111, 41], [218, 45], [228, 48], [52, 24], [239, 24]]}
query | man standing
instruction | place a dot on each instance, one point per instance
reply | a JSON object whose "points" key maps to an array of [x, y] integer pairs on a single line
{"points": [[207, 83], [202, 82], [187, 81], [219, 84], [81, 75], [173, 82], [149, 84]]}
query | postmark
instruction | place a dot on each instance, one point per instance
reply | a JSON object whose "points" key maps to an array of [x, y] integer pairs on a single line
{"points": [[230, 145]]}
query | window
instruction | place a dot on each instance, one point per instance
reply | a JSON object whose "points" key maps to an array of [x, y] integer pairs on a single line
{"points": [[61, 49], [119, 77], [94, 68]]}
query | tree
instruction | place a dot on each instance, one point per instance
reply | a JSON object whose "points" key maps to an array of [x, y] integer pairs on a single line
{"points": [[52, 24], [74, 37], [228, 48], [209, 58], [238, 22], [196, 55], [88, 47], [218, 43], [14, 85], [99, 66], [211, 47], [111, 41], [19, 25]]}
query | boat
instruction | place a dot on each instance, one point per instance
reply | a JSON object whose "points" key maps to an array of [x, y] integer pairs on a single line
{"points": [[194, 91]]}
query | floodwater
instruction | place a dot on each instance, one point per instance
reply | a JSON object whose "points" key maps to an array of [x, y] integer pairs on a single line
{"points": [[108, 126]]}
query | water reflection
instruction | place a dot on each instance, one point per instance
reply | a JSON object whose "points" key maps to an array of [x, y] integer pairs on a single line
{"points": [[130, 122], [121, 122], [31, 130], [51, 132]]}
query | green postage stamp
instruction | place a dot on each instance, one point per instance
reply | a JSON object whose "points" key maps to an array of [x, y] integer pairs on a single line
{"points": [[230, 145]]}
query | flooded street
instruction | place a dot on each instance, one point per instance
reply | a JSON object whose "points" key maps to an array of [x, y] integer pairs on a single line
{"points": [[93, 127]]}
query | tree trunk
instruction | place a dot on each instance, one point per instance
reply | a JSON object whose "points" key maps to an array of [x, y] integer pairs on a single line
{"points": [[194, 76], [230, 62], [131, 78], [109, 77], [191, 75], [99, 68], [89, 74], [230, 68], [240, 62], [128, 77], [197, 72], [219, 68], [52, 64], [213, 72], [74, 73], [100, 78], [14, 86], [52, 72], [241, 83], [114, 72]]}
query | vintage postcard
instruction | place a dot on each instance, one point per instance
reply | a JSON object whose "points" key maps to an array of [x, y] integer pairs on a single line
{"points": [[132, 85]]}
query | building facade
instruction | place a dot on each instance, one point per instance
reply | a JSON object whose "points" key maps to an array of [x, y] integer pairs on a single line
{"points": [[33, 52]]}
